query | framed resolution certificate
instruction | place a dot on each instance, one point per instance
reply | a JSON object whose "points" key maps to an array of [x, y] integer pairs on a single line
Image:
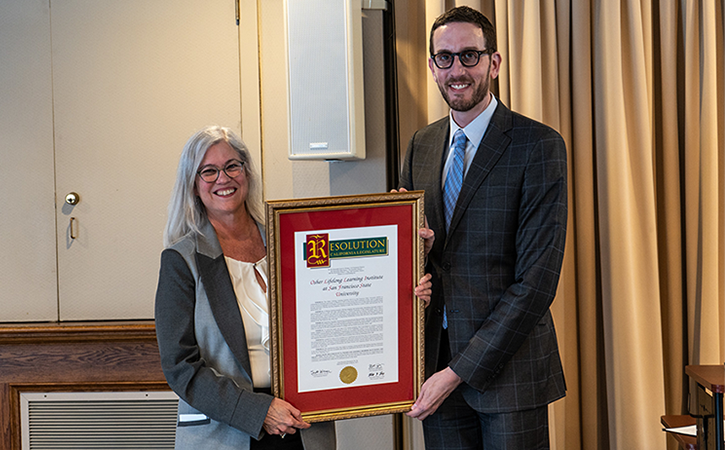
{"points": [[347, 329]]}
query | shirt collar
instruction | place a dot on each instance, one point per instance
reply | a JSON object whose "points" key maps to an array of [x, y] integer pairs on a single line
{"points": [[476, 129]]}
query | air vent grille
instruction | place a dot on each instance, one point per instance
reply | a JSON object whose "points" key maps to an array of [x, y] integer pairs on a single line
{"points": [[108, 420]]}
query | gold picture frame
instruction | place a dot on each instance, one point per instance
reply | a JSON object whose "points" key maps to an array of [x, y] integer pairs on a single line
{"points": [[346, 327]]}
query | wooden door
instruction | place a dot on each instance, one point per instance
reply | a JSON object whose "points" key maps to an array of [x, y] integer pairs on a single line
{"points": [[126, 83], [132, 80], [28, 287]]}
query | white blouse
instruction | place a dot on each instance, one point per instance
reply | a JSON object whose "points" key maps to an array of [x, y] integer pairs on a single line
{"points": [[254, 308]]}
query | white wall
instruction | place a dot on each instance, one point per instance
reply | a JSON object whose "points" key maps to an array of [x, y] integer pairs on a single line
{"points": [[284, 179], [295, 179]]}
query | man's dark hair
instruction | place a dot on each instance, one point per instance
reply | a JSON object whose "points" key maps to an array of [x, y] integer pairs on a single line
{"points": [[470, 15]]}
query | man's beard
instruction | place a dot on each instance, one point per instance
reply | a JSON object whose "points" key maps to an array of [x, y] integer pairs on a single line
{"points": [[460, 104]]}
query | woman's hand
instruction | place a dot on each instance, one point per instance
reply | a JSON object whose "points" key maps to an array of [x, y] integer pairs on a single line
{"points": [[423, 291], [283, 418]]}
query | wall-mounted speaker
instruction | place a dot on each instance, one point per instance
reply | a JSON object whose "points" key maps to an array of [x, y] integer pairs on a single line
{"points": [[325, 76]]}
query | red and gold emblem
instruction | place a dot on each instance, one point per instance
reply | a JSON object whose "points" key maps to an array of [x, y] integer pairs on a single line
{"points": [[317, 251]]}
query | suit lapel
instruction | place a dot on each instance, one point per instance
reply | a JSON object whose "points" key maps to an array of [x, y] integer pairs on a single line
{"points": [[437, 148], [493, 145], [222, 299]]}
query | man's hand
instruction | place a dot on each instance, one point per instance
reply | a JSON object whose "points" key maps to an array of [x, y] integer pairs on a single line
{"points": [[423, 291], [283, 418], [428, 236], [435, 389]]}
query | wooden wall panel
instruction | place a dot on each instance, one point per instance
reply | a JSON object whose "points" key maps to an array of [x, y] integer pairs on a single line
{"points": [[75, 357]]}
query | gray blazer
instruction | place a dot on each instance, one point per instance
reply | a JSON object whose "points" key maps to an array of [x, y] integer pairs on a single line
{"points": [[204, 351], [497, 268]]}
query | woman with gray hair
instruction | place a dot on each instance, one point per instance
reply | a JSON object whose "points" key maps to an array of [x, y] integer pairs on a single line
{"points": [[212, 318]]}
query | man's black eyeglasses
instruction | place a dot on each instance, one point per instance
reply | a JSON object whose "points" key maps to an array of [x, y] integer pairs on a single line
{"points": [[468, 58], [211, 173]]}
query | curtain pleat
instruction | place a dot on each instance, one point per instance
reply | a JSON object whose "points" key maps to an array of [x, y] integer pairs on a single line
{"points": [[627, 222], [592, 408], [437, 107], [669, 211], [702, 199]]}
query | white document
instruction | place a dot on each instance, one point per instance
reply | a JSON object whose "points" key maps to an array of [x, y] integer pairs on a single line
{"points": [[690, 430], [347, 311]]}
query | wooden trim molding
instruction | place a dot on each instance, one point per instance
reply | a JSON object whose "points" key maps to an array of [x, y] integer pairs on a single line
{"points": [[73, 357], [77, 331]]}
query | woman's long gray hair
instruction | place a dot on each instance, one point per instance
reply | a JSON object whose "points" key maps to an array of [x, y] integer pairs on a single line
{"points": [[186, 211]]}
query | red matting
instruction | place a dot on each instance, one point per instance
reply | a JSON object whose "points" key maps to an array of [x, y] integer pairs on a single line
{"points": [[352, 217]]}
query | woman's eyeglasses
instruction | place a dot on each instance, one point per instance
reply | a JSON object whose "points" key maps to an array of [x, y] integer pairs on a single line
{"points": [[211, 173]]}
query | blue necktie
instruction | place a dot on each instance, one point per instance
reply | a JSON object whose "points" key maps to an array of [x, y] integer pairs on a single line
{"points": [[454, 179], [452, 187]]}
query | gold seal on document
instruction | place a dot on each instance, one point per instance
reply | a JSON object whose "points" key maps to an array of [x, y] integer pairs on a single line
{"points": [[348, 375]]}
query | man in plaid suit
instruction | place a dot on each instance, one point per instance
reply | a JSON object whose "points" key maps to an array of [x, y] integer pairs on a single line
{"points": [[492, 360]]}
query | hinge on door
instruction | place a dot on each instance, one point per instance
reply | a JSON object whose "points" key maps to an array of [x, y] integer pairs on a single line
{"points": [[236, 10]]}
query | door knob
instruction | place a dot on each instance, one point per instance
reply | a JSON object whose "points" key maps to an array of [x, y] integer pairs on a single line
{"points": [[72, 198]]}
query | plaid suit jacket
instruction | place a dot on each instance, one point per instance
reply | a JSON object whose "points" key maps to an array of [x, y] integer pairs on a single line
{"points": [[497, 268]]}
